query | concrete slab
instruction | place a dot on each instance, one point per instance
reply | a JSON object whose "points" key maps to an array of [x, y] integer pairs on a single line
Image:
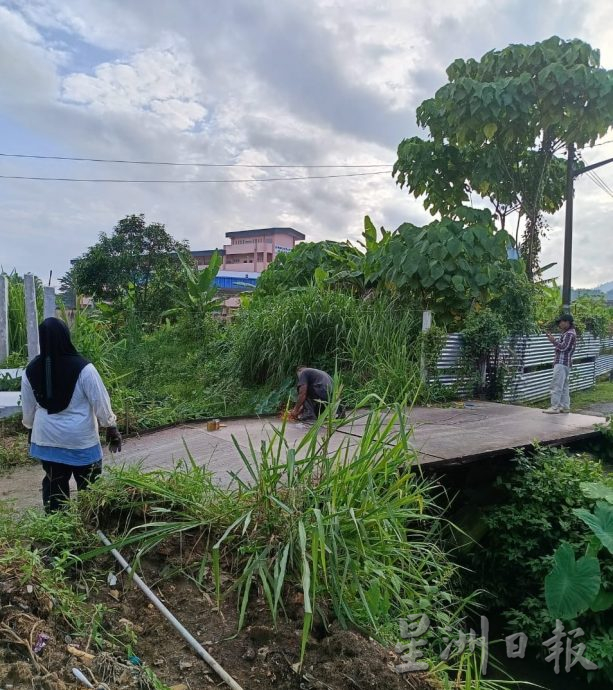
{"points": [[491, 429], [216, 449], [9, 403], [11, 373], [441, 437]]}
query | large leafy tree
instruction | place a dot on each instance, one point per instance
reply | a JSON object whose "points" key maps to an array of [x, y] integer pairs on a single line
{"points": [[135, 263], [500, 127], [448, 265]]}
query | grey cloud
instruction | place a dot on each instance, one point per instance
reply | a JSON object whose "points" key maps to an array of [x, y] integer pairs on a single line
{"points": [[280, 83]]}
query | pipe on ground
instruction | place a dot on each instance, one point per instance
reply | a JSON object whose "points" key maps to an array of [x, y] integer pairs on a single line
{"points": [[185, 634]]}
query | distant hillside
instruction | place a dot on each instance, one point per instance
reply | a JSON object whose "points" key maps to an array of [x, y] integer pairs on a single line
{"points": [[605, 289]]}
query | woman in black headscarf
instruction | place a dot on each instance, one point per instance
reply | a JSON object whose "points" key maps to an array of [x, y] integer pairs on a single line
{"points": [[64, 400]]}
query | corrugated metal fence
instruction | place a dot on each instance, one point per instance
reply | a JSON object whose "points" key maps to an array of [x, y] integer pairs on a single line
{"points": [[530, 360]]}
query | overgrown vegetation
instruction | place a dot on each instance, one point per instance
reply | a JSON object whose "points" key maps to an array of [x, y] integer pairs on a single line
{"points": [[540, 505], [352, 537], [18, 346], [44, 594], [359, 533]]}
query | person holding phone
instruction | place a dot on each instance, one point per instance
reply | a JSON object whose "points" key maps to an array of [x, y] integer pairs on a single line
{"points": [[563, 362]]}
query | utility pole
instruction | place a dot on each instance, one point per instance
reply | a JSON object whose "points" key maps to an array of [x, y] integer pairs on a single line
{"points": [[568, 228], [571, 173]]}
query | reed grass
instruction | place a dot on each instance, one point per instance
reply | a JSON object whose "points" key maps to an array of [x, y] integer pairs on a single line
{"points": [[348, 521]]}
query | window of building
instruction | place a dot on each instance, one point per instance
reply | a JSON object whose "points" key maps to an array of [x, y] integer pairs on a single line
{"points": [[260, 256], [269, 257]]}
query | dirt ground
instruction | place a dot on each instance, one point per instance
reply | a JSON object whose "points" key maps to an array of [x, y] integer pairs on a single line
{"points": [[260, 656]]}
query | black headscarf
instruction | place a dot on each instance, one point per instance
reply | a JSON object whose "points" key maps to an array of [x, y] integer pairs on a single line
{"points": [[53, 375]]}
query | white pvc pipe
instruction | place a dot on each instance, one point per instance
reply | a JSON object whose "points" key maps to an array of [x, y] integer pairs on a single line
{"points": [[187, 636]]}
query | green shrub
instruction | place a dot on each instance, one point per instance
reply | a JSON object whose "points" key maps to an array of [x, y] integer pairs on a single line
{"points": [[358, 534], [593, 314], [297, 268], [533, 515], [482, 336], [513, 300]]}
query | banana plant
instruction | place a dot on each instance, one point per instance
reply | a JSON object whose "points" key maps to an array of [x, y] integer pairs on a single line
{"points": [[200, 295]]}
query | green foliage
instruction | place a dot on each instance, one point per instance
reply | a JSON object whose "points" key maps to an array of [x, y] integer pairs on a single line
{"points": [[333, 331], [539, 507], [13, 450], [271, 338], [496, 128], [483, 334], [529, 91], [548, 304], [136, 261], [359, 535], [198, 298], [484, 331], [571, 586], [93, 337], [593, 314], [18, 341], [179, 371], [9, 383], [600, 522], [297, 268], [513, 299], [447, 264], [575, 588], [382, 351]]}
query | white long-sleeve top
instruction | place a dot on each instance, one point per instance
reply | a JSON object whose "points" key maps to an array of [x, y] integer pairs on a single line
{"points": [[76, 427]]}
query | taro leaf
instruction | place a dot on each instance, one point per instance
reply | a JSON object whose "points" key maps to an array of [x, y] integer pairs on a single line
{"points": [[603, 602], [571, 586], [598, 491], [600, 522]]}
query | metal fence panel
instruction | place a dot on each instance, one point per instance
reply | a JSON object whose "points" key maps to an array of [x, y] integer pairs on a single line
{"points": [[530, 360], [603, 365]]}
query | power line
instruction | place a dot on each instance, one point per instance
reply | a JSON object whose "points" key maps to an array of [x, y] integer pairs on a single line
{"points": [[600, 183], [255, 179], [601, 143], [196, 164]]}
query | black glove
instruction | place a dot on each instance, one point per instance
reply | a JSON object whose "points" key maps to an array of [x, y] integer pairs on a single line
{"points": [[113, 438], [29, 437]]}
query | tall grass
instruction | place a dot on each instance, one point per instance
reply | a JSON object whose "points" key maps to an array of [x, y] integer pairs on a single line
{"points": [[383, 351], [346, 520], [375, 343], [273, 336], [18, 341], [93, 337]]}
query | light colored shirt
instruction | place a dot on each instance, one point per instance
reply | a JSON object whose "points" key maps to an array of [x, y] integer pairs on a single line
{"points": [[76, 427]]}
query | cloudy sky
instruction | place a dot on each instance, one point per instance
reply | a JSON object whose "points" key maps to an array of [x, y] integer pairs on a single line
{"points": [[258, 82]]}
